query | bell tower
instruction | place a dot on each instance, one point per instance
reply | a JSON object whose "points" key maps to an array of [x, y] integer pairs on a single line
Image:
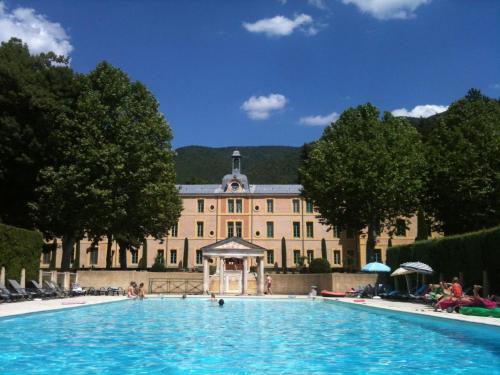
{"points": [[236, 162]]}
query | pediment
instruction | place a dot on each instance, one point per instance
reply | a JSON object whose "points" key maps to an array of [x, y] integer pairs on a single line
{"points": [[232, 245]]}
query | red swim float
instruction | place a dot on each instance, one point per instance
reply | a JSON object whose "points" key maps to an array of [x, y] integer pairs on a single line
{"points": [[328, 293]]}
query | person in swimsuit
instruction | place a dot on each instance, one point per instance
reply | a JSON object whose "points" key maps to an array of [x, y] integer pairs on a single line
{"points": [[131, 290], [269, 282], [142, 292]]}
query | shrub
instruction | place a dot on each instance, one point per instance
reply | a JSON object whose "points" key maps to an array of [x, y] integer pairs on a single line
{"points": [[469, 253], [158, 265], [20, 248], [320, 265]]}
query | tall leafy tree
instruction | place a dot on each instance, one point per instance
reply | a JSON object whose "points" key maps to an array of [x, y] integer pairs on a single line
{"points": [[35, 92], [463, 156], [365, 171], [70, 194], [141, 199]]}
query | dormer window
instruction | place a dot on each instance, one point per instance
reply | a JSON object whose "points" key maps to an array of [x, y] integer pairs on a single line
{"points": [[235, 186]]}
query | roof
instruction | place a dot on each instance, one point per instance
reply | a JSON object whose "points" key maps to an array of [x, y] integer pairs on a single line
{"points": [[254, 189]]}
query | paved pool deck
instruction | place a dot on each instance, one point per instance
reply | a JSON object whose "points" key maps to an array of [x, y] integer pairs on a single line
{"points": [[28, 307]]}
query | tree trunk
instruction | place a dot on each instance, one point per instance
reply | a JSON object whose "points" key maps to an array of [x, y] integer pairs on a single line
{"points": [[124, 245], [371, 241], [109, 256], [68, 242]]}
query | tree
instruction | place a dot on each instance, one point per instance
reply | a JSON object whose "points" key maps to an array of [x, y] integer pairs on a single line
{"points": [[35, 91], [323, 249], [365, 172], [186, 253], [283, 254], [143, 263], [463, 157], [139, 197], [320, 265], [69, 193]]}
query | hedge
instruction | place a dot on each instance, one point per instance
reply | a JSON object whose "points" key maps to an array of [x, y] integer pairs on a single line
{"points": [[469, 253], [20, 248]]}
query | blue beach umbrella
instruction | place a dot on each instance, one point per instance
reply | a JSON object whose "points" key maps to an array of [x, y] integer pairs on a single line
{"points": [[376, 267]]}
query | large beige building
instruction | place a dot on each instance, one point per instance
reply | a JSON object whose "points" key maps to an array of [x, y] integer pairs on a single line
{"points": [[260, 214]]}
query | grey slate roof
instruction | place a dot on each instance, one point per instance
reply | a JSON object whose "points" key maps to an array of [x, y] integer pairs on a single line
{"points": [[254, 189]]}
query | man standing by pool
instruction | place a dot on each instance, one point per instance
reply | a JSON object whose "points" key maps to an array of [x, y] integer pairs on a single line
{"points": [[269, 281]]}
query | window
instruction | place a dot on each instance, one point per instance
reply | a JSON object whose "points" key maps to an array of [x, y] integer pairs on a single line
{"points": [[173, 256], [309, 207], [270, 256], [230, 205], [46, 257], [199, 228], [160, 256], [270, 229], [296, 229], [310, 256], [173, 230], [296, 256], [377, 255], [336, 257], [199, 257], [201, 205], [309, 229], [270, 205], [296, 206], [239, 206], [400, 227], [336, 231], [94, 255], [134, 256], [238, 229], [230, 229]]}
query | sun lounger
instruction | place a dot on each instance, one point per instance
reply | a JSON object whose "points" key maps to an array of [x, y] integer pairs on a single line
{"points": [[7, 295], [42, 292], [77, 290], [61, 293], [22, 291]]}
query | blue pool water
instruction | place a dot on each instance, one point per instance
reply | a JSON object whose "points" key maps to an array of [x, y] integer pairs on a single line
{"points": [[174, 336]]}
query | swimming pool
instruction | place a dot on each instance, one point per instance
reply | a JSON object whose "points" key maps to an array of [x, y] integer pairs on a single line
{"points": [[172, 336]]}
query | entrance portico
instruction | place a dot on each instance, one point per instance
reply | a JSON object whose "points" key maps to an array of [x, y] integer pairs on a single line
{"points": [[232, 256]]}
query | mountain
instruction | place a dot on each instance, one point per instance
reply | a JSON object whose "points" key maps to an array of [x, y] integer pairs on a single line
{"points": [[261, 164]]}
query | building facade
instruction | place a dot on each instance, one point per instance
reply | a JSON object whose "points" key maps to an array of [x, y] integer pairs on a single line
{"points": [[274, 217]]}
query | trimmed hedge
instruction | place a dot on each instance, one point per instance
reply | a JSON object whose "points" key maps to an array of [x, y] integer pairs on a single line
{"points": [[20, 248], [469, 253]]}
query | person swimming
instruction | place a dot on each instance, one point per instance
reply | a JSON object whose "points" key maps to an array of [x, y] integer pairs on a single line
{"points": [[212, 298], [221, 302]]}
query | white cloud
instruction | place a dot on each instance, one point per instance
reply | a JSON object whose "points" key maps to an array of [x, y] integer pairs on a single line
{"points": [[320, 4], [388, 9], [495, 86], [40, 34], [319, 120], [260, 107], [426, 110], [281, 26]]}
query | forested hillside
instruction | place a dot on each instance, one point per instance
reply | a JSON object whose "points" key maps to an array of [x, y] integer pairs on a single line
{"points": [[262, 164]]}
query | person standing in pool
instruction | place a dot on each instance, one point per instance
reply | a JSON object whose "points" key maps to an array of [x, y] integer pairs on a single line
{"points": [[142, 293], [131, 290], [269, 282]]}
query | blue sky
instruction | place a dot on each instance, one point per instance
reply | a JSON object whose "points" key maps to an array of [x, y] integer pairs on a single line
{"points": [[274, 72]]}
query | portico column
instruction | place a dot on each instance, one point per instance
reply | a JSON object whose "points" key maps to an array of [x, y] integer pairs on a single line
{"points": [[221, 275], [245, 276], [206, 275], [260, 275]]}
